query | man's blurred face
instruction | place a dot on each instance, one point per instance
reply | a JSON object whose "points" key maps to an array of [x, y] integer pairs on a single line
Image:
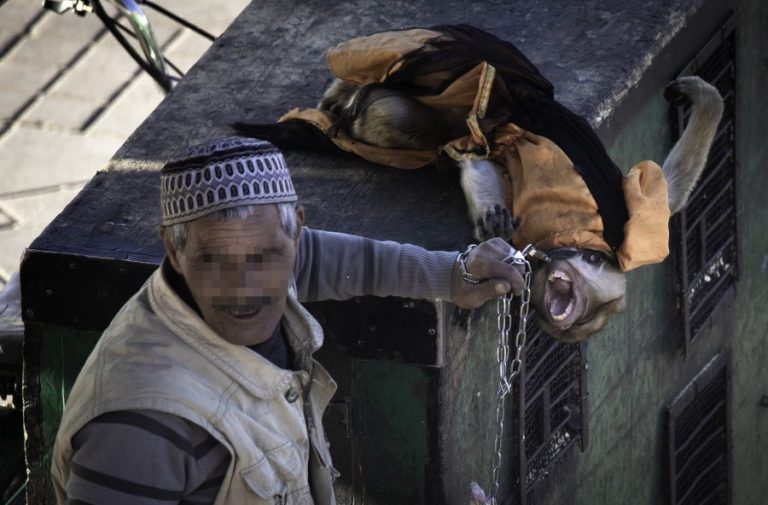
{"points": [[238, 271]]}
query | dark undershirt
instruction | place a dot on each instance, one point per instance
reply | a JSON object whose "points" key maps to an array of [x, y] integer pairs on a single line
{"points": [[275, 348]]}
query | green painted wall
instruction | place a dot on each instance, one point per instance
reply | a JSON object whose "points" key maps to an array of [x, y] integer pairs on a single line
{"points": [[394, 428], [636, 367], [63, 352], [750, 328]]}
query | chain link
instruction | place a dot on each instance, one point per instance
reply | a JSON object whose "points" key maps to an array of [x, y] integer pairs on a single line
{"points": [[508, 371]]}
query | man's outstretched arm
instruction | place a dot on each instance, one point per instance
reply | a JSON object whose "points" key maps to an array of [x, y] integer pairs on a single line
{"points": [[337, 266]]}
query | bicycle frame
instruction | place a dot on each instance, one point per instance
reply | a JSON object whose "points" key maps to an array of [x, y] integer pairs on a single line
{"points": [[136, 16], [152, 62]]}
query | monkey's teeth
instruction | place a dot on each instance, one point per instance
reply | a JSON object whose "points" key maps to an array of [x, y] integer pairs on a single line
{"points": [[561, 300], [558, 274]]}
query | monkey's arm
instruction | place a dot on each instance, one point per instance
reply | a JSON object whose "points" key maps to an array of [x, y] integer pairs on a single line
{"points": [[485, 189], [687, 159]]}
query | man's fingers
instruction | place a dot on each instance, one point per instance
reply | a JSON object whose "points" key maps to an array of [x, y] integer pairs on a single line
{"points": [[515, 283], [497, 244], [500, 271], [486, 262], [494, 269], [481, 293], [501, 287]]}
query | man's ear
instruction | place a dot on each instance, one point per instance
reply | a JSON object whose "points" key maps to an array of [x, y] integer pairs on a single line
{"points": [[170, 249], [299, 222]]}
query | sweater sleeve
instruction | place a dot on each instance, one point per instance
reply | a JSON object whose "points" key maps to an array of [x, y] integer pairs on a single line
{"points": [[337, 266], [145, 457]]}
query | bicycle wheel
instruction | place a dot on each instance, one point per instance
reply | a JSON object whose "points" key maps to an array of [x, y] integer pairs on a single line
{"points": [[150, 59]]}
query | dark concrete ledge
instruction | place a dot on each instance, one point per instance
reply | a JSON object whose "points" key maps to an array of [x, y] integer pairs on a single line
{"points": [[604, 57], [271, 59]]}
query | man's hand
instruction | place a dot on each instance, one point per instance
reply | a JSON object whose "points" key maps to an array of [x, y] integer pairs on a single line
{"points": [[497, 278]]}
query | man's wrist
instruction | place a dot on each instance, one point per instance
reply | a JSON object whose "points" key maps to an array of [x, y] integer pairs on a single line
{"points": [[461, 261]]}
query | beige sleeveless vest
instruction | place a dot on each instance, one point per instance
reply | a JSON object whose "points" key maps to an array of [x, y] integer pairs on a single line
{"points": [[158, 354]]}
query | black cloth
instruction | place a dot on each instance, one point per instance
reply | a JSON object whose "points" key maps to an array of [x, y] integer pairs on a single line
{"points": [[275, 348], [530, 104], [528, 101]]}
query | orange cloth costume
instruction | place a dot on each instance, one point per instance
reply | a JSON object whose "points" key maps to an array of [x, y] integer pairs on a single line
{"points": [[555, 206]]}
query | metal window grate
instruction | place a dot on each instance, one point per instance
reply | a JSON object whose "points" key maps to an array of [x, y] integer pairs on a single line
{"points": [[706, 255], [552, 408], [698, 438]]}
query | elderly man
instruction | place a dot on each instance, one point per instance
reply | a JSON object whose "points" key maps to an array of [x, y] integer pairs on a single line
{"points": [[203, 389]]}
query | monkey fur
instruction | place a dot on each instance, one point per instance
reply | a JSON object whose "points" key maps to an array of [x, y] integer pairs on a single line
{"points": [[574, 296]]}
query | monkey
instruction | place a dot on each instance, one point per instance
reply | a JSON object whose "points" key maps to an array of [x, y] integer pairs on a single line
{"points": [[531, 170], [575, 294]]}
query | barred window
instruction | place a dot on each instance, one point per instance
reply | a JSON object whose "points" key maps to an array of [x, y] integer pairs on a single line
{"points": [[551, 410], [698, 447], [705, 231]]}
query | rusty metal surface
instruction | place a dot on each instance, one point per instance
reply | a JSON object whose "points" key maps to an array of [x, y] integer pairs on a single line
{"points": [[552, 415], [698, 438]]}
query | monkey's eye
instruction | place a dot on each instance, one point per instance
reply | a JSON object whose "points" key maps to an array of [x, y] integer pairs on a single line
{"points": [[593, 257]]}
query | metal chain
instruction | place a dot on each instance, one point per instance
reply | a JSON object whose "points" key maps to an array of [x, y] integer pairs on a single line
{"points": [[504, 323]]}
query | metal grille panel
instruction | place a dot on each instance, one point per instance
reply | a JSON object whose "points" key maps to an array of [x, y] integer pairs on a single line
{"points": [[707, 256], [699, 445], [552, 409]]}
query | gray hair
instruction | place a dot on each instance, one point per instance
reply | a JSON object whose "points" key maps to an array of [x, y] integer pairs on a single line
{"points": [[179, 232]]}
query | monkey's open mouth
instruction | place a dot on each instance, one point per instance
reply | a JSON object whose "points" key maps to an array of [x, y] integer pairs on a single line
{"points": [[559, 295]]}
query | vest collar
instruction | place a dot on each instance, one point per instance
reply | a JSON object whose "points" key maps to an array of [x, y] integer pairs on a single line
{"points": [[304, 333]]}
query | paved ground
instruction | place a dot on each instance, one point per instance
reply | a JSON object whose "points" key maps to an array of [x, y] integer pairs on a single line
{"points": [[69, 97]]}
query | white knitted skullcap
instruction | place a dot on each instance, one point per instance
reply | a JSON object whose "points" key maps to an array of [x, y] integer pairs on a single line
{"points": [[223, 173]]}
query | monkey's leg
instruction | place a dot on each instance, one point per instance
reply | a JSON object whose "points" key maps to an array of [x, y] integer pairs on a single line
{"points": [[688, 157], [485, 189], [388, 118], [338, 96]]}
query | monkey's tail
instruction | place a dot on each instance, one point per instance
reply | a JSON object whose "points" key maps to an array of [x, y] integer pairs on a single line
{"points": [[291, 134]]}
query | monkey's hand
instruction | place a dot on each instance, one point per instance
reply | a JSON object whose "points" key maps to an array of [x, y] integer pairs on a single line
{"points": [[485, 262], [495, 222]]}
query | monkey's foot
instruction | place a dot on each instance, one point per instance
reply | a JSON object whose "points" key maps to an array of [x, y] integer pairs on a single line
{"points": [[496, 222]]}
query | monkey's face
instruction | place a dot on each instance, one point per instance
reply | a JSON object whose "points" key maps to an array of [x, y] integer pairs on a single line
{"points": [[573, 297]]}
